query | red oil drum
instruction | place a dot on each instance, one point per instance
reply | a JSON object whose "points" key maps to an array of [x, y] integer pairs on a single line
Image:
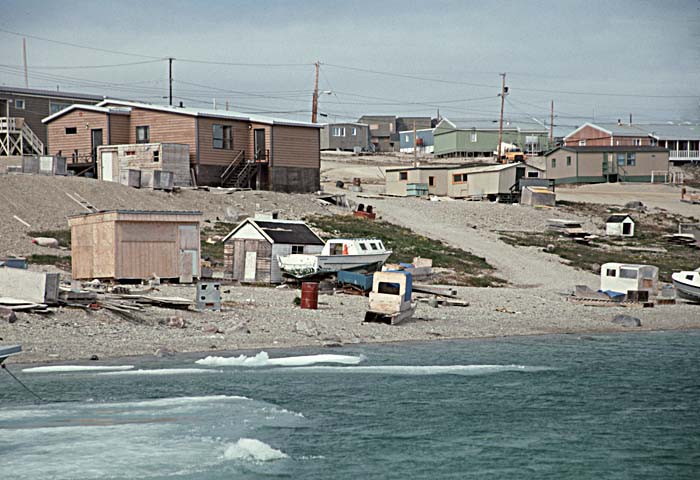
{"points": [[309, 295]]}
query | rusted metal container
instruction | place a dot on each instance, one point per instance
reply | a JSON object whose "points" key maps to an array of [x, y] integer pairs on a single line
{"points": [[309, 295]]}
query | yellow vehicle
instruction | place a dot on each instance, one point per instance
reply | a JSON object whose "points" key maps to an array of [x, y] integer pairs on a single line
{"points": [[510, 153]]}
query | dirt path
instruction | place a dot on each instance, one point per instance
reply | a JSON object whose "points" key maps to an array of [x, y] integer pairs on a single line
{"points": [[471, 226]]}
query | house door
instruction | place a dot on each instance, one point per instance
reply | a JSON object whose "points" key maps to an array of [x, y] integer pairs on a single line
{"points": [[626, 228], [259, 144], [96, 142], [606, 165], [106, 161], [519, 173], [251, 260]]}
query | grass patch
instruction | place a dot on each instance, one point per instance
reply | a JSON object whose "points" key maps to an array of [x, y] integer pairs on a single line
{"points": [[214, 252], [63, 263], [63, 236], [469, 269], [649, 231]]}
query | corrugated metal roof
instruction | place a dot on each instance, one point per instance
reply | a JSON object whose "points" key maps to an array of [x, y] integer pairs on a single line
{"points": [[667, 131], [92, 108], [610, 148], [623, 129], [49, 93], [508, 126]]}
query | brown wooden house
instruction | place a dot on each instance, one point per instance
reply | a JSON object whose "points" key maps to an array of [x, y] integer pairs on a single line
{"points": [[226, 148], [608, 135], [135, 245]]}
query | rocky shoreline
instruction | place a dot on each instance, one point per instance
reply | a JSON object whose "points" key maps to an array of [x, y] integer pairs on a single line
{"points": [[264, 318]]}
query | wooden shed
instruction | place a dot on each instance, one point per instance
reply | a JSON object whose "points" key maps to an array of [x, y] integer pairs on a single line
{"points": [[620, 225], [135, 245], [252, 248]]}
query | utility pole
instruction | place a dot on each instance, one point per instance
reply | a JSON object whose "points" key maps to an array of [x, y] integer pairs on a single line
{"points": [[314, 101], [24, 58], [551, 125], [415, 146], [227, 105], [170, 80], [504, 91]]}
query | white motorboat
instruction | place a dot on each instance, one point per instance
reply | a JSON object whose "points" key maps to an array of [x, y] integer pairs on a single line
{"points": [[687, 284], [337, 254]]}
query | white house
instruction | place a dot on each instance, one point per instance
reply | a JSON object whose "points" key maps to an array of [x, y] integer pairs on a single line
{"points": [[619, 226], [252, 248]]}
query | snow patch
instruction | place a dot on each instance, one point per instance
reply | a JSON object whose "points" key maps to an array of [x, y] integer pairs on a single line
{"points": [[262, 359]]}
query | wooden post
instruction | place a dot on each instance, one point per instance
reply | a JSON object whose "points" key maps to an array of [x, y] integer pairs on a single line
{"points": [[500, 123], [551, 125], [314, 101], [24, 58], [170, 80], [415, 145]]}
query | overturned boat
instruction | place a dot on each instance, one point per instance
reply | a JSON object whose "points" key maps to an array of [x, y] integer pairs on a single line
{"points": [[337, 254], [687, 284]]}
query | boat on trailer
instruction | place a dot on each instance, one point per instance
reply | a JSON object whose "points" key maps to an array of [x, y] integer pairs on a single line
{"points": [[687, 284], [9, 350], [337, 254]]}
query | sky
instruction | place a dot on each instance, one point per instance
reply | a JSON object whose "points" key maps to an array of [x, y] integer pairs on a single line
{"points": [[597, 60]]}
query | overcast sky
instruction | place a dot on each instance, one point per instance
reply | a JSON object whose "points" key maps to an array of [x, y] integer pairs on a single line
{"points": [[644, 54]]}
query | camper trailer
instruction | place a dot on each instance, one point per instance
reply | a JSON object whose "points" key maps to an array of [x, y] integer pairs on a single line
{"points": [[623, 278]]}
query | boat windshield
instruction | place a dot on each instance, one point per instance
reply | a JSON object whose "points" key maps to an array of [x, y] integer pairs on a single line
{"points": [[373, 245], [363, 246], [336, 248]]}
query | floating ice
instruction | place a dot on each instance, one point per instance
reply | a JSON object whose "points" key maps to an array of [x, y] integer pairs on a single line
{"points": [[424, 369], [262, 359], [77, 368], [250, 449], [162, 371]]}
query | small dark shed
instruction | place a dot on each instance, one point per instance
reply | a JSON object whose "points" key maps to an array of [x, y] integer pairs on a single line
{"points": [[252, 248]]}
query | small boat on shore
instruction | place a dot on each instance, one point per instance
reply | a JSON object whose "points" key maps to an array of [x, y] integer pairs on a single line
{"points": [[687, 284], [337, 254], [9, 350]]}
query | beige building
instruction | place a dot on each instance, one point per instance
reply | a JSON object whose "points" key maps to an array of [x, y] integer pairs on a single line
{"points": [[490, 181], [135, 245], [605, 164]]}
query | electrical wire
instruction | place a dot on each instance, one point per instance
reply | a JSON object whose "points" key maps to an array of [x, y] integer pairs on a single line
{"points": [[4, 367]]}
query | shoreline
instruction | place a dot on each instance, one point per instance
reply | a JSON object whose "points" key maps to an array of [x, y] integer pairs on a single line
{"points": [[266, 319]]}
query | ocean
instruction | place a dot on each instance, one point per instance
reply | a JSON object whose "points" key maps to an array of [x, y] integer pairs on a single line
{"points": [[617, 406]]}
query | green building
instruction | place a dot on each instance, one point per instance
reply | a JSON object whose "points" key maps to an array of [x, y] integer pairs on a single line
{"points": [[480, 139]]}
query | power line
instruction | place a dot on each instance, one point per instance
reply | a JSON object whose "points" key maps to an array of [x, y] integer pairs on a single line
{"points": [[80, 67]]}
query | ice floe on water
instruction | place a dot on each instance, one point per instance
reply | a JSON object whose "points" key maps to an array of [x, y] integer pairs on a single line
{"points": [[163, 371], [423, 369], [253, 450], [262, 359], [77, 368]]}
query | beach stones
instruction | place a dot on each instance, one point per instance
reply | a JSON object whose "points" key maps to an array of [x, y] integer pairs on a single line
{"points": [[8, 315], [627, 321]]}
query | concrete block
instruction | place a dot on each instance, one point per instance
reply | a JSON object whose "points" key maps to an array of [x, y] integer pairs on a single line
{"points": [[37, 287]]}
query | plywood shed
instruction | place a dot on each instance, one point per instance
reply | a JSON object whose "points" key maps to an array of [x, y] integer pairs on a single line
{"points": [[115, 161], [537, 197], [135, 245], [252, 248], [619, 226]]}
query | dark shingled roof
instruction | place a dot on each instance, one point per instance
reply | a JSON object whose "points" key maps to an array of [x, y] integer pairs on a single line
{"points": [[617, 218], [285, 232]]}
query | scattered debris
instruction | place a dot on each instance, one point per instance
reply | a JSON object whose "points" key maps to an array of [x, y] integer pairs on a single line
{"points": [[176, 322], [36, 287], [7, 315], [46, 242]]}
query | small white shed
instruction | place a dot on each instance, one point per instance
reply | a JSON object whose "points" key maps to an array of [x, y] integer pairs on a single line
{"points": [[252, 248], [619, 226], [622, 277]]}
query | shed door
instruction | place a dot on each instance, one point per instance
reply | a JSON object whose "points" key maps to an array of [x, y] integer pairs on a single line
{"points": [[188, 268], [251, 260], [626, 228], [107, 166], [189, 249]]}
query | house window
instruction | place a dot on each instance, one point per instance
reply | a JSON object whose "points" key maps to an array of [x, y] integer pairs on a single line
{"points": [[637, 142], [55, 107], [403, 175], [431, 181], [71, 130], [653, 142], [621, 159], [631, 159], [19, 104], [156, 156], [297, 249], [338, 131], [143, 134], [568, 161], [458, 178], [354, 131], [374, 126], [533, 174], [554, 163], [391, 127], [582, 143], [407, 138], [222, 137], [473, 137]]}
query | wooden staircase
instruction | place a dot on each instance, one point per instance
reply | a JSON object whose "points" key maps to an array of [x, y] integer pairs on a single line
{"points": [[16, 138], [239, 172]]}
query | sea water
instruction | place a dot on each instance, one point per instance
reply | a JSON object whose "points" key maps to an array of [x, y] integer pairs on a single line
{"points": [[622, 406]]}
